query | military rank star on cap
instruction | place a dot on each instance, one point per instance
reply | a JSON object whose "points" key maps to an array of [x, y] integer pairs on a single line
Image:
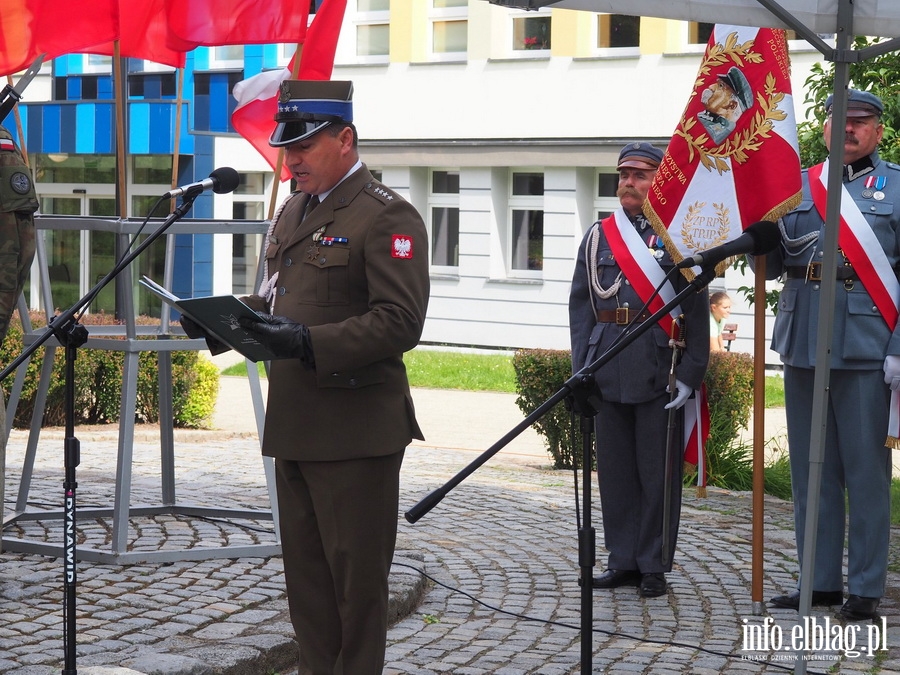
{"points": [[306, 107]]}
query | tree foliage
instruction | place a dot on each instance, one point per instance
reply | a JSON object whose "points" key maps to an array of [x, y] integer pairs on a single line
{"points": [[878, 75]]}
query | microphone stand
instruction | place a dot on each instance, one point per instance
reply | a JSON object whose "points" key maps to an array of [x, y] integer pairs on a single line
{"points": [[580, 390], [71, 335]]}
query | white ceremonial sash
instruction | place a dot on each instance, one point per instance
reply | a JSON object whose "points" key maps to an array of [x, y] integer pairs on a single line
{"points": [[640, 267], [865, 253]]}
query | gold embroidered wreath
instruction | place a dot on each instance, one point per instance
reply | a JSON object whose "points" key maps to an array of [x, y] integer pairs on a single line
{"points": [[738, 146]]}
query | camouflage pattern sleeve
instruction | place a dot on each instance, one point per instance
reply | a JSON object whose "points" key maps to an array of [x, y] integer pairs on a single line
{"points": [[18, 202]]}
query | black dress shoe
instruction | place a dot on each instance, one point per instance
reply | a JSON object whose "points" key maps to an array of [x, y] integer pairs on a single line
{"points": [[858, 608], [819, 599], [653, 585], [616, 578]]}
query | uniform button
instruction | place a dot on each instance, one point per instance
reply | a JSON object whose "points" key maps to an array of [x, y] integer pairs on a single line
{"points": [[874, 309], [322, 260], [342, 200], [821, 254], [282, 290], [352, 381], [871, 208], [815, 287], [288, 262]]}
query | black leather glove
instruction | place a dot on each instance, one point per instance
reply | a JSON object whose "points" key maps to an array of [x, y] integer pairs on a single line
{"points": [[286, 339], [193, 330]]}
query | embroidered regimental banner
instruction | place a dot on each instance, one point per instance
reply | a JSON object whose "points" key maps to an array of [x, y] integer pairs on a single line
{"points": [[733, 159]]}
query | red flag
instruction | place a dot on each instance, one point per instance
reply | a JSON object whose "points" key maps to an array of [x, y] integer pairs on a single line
{"points": [[257, 96], [144, 34], [29, 28], [733, 159], [237, 22]]}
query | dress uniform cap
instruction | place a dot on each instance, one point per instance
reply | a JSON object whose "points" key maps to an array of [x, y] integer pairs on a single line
{"points": [[640, 156], [305, 107], [859, 104]]}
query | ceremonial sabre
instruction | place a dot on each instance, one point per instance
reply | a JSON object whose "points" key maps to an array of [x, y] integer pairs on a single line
{"points": [[677, 344]]}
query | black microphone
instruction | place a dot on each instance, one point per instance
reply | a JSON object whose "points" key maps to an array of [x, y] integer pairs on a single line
{"points": [[222, 180], [758, 239]]}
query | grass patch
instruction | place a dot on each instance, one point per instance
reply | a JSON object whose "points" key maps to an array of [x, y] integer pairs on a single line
{"points": [[435, 369], [774, 391]]}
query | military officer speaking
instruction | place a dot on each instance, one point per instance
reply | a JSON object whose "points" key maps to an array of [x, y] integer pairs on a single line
{"points": [[345, 292]]}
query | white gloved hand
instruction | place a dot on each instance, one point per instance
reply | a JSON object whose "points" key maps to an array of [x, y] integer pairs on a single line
{"points": [[681, 397], [892, 371]]}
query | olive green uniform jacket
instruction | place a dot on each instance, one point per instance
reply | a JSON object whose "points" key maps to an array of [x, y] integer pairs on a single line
{"points": [[364, 299]]}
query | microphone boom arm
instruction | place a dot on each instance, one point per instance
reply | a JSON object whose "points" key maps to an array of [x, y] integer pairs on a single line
{"points": [[431, 500]]}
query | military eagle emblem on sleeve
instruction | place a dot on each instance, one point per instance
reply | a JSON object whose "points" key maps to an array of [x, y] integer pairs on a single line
{"points": [[401, 246]]}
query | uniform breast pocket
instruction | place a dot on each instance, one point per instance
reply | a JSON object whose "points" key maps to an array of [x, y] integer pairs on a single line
{"points": [[865, 332], [329, 282]]}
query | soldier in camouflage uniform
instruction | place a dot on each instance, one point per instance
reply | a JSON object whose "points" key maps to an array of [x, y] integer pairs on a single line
{"points": [[18, 202]]}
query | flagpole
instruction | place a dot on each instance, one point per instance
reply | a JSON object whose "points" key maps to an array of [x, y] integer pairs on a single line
{"points": [[120, 131], [273, 200], [168, 269], [759, 428], [20, 132]]}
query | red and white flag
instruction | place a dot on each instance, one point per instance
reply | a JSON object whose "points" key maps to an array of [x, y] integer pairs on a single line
{"points": [[733, 159], [257, 96]]}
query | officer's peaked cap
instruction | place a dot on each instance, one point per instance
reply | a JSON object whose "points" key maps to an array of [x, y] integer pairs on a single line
{"points": [[639, 156], [859, 104], [305, 107]]}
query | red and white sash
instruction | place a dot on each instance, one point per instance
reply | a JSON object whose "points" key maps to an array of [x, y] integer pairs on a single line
{"points": [[865, 253], [639, 266], [645, 275]]}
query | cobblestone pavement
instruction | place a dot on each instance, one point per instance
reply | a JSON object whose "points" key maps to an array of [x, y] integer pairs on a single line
{"points": [[500, 552]]}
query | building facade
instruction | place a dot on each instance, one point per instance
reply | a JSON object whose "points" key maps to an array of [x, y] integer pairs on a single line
{"points": [[502, 126]]}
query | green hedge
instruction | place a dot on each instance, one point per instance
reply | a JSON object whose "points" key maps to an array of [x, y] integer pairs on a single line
{"points": [[541, 373], [98, 382]]}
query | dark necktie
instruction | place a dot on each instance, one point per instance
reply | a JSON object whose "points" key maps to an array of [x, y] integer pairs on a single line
{"points": [[311, 204]]}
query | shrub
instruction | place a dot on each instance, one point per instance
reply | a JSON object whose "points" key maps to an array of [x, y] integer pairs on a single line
{"points": [[98, 381], [541, 373]]}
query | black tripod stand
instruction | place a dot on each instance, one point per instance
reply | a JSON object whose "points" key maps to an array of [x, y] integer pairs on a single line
{"points": [[71, 334], [579, 390]]}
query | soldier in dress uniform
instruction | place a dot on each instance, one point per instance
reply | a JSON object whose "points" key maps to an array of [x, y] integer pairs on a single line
{"points": [[18, 202], [633, 414], [865, 360], [344, 296]]}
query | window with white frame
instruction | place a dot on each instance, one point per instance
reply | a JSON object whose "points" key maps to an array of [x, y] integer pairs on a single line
{"points": [[443, 218], [605, 201], [698, 32], [449, 28], [96, 63], [226, 56], [531, 31], [526, 218], [617, 31], [373, 31]]}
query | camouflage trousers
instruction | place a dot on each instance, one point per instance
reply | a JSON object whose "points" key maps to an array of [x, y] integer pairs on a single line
{"points": [[16, 254]]}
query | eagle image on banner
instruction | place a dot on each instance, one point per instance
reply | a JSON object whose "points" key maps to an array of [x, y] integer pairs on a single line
{"points": [[733, 159]]}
